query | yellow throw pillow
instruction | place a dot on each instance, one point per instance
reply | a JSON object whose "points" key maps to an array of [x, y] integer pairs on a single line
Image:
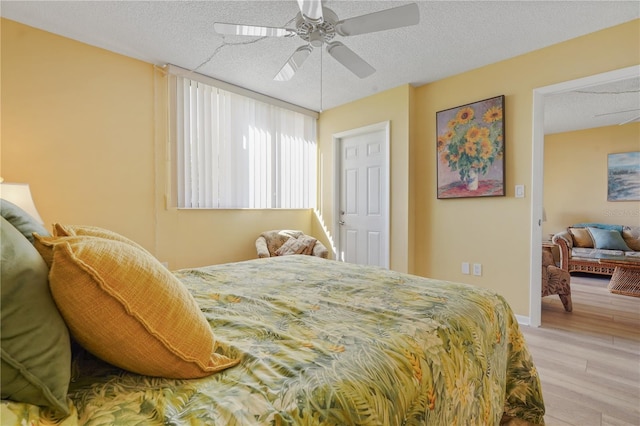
{"points": [[45, 244], [581, 237], [122, 305], [91, 231]]}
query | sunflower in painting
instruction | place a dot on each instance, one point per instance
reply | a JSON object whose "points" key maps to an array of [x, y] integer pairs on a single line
{"points": [[472, 140]]}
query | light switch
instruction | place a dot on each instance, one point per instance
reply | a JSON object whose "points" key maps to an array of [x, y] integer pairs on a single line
{"points": [[465, 268], [477, 269], [519, 191]]}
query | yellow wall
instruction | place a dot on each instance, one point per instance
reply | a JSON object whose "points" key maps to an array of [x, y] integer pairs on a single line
{"points": [[79, 125], [496, 231], [391, 105], [575, 177]]}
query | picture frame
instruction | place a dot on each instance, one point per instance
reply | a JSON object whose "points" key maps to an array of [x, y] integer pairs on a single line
{"points": [[623, 176], [470, 144]]}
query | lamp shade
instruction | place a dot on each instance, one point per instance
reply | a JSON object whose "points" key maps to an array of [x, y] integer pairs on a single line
{"points": [[20, 195]]}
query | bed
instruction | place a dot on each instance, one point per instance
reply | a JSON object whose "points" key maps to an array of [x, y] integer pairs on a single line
{"points": [[310, 341]]}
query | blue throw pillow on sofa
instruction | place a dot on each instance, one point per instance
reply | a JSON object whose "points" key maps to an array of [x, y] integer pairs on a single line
{"points": [[608, 239]]}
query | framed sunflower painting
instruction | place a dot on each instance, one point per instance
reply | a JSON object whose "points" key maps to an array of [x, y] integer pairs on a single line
{"points": [[470, 150]]}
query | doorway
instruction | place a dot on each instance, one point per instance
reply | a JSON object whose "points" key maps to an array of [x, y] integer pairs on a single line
{"points": [[539, 95], [362, 195]]}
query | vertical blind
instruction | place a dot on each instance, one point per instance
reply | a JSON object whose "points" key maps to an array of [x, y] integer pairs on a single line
{"points": [[234, 151]]}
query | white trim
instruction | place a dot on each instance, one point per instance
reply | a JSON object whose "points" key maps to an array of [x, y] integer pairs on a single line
{"points": [[522, 320], [175, 70], [537, 177], [383, 125]]}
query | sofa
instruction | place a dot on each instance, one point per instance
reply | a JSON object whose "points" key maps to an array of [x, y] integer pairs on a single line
{"points": [[582, 245]]}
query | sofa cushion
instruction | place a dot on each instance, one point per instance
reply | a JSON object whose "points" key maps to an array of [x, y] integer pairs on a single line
{"points": [[591, 253], [122, 305], [631, 236], [581, 237], [309, 242], [608, 239], [36, 349]]}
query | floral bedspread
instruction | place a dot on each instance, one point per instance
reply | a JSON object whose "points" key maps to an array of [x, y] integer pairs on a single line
{"points": [[328, 343]]}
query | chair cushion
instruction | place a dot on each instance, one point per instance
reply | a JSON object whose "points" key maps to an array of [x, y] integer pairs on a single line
{"points": [[36, 349], [291, 246], [301, 245], [309, 242], [276, 238], [122, 305]]}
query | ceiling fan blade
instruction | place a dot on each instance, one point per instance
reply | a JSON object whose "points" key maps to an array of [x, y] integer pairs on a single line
{"points": [[252, 30], [397, 17], [294, 63], [617, 112], [311, 10], [350, 59], [631, 120]]}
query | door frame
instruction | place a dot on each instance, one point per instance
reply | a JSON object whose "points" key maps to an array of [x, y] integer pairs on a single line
{"points": [[539, 94], [337, 180]]}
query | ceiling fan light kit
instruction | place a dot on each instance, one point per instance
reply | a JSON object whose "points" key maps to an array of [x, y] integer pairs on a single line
{"points": [[318, 25]]}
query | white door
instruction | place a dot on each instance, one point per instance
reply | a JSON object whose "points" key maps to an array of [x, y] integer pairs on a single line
{"points": [[363, 207]]}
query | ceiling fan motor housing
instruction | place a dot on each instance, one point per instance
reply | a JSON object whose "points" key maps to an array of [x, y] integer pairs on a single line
{"points": [[320, 32]]}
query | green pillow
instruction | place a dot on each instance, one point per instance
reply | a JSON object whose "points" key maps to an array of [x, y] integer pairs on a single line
{"points": [[21, 220], [35, 346], [608, 239]]}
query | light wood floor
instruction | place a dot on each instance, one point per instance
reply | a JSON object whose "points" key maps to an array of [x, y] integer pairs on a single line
{"points": [[589, 359]]}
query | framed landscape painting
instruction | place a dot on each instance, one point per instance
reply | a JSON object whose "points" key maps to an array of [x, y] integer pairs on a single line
{"points": [[623, 176], [470, 150]]}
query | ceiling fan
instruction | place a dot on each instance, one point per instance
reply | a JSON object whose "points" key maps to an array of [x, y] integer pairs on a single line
{"points": [[318, 25], [626, 121]]}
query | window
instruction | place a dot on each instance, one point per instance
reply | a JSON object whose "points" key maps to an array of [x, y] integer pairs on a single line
{"points": [[234, 151]]}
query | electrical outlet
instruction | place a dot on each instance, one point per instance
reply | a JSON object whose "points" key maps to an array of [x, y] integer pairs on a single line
{"points": [[477, 269], [465, 268]]}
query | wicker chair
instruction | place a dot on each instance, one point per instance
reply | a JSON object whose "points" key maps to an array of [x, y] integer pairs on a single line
{"points": [[269, 242], [556, 281]]}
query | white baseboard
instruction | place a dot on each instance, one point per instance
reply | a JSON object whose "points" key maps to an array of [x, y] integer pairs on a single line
{"points": [[522, 320]]}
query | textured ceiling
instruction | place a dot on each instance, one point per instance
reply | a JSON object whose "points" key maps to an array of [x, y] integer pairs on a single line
{"points": [[596, 106], [452, 37]]}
